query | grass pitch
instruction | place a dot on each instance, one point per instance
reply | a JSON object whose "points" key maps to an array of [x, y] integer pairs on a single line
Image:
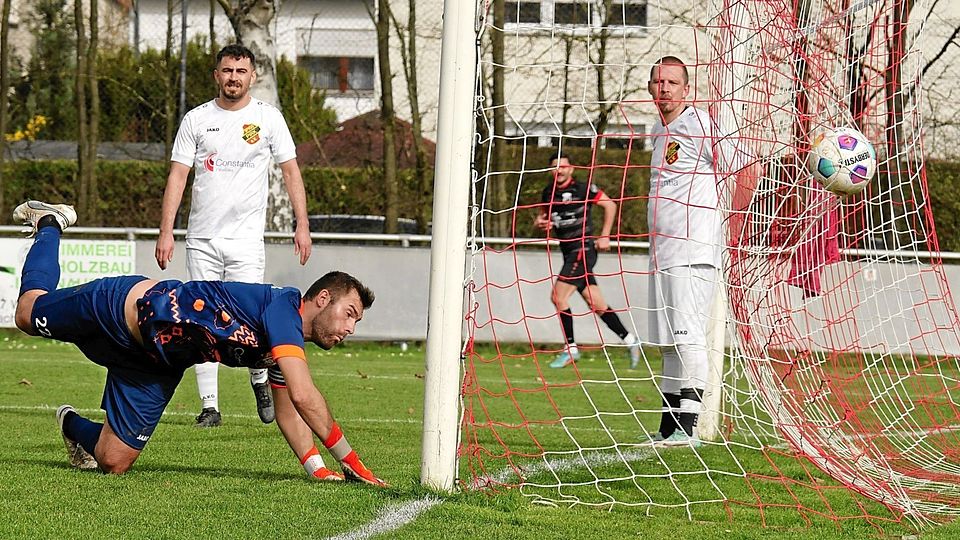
{"points": [[242, 481]]}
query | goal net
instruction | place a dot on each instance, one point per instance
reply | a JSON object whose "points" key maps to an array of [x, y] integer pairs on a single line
{"points": [[832, 388]]}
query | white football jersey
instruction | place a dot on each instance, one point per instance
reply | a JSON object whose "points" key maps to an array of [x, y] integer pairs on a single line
{"points": [[230, 153], [683, 216]]}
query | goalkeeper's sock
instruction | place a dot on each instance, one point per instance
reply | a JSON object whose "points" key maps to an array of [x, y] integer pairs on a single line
{"points": [[41, 268], [85, 432], [314, 466], [668, 415]]}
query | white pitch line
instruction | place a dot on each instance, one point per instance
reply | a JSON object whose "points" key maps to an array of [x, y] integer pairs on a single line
{"points": [[572, 462], [390, 518]]}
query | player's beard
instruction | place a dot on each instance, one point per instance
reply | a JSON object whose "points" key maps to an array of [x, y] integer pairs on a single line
{"points": [[324, 339], [234, 92]]}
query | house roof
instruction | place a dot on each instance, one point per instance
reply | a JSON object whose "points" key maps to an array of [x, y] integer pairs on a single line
{"points": [[358, 142]]}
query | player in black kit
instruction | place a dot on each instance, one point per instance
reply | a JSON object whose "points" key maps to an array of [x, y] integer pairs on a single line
{"points": [[566, 217]]}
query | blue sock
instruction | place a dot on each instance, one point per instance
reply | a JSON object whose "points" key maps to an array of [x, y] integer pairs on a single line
{"points": [[41, 269], [85, 432]]}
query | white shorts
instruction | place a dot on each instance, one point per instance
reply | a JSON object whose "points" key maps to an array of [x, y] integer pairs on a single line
{"points": [[226, 259], [680, 298]]}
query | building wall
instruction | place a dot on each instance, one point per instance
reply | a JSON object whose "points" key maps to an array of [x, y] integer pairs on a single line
{"points": [[539, 104]]}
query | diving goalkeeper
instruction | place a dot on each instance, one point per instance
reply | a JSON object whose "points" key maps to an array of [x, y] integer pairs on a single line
{"points": [[147, 332]]}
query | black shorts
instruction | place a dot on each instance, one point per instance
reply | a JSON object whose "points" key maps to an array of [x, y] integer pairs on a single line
{"points": [[578, 261]]}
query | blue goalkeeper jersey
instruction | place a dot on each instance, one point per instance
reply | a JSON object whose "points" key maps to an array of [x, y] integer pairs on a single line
{"points": [[236, 324]]}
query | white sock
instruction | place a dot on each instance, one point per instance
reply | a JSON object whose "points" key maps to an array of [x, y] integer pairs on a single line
{"points": [[207, 384], [572, 349], [258, 376], [630, 339]]}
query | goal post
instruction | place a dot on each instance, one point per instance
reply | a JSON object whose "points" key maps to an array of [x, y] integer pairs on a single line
{"points": [[452, 184]]}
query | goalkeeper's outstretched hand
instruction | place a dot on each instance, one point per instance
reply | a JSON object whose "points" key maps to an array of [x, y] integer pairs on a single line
{"points": [[326, 475], [356, 471]]}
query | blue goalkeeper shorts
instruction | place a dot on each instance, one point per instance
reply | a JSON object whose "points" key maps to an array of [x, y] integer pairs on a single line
{"points": [[91, 316]]}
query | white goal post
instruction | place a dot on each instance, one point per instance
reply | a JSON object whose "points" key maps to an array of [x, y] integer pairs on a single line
{"points": [[451, 190]]}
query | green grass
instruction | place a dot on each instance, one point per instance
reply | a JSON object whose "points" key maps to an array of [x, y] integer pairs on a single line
{"points": [[241, 480]]}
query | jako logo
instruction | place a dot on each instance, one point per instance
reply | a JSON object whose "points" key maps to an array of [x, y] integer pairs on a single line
{"points": [[208, 163], [679, 332]]}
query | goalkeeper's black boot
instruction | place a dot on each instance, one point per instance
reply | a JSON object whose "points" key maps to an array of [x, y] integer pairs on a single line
{"points": [[264, 402]]}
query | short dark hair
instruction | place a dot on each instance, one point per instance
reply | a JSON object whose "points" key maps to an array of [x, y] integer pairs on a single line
{"points": [[338, 284], [671, 60], [237, 51], [557, 158]]}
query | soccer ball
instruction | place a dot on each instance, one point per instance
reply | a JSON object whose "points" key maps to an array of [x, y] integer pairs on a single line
{"points": [[842, 160]]}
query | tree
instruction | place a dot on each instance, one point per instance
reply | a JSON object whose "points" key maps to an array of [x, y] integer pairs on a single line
{"points": [[408, 55], [82, 109], [501, 220], [169, 86], [4, 87], [48, 88], [388, 119]]}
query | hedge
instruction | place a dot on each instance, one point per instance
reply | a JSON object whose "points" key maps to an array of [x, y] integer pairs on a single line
{"points": [[131, 191]]}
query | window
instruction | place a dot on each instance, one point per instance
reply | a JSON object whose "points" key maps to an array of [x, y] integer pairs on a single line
{"points": [[571, 13], [522, 12], [628, 14], [339, 73]]}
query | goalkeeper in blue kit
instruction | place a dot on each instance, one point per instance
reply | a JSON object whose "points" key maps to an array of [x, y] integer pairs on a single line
{"points": [[148, 332]]}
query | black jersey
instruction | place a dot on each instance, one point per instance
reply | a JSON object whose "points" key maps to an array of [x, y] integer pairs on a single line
{"points": [[569, 209]]}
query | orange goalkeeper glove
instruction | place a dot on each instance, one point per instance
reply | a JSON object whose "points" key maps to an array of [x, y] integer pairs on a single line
{"points": [[353, 469]]}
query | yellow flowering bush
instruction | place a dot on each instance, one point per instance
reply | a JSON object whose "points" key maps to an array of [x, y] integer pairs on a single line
{"points": [[30, 132]]}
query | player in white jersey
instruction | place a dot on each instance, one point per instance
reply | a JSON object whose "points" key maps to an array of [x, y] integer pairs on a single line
{"points": [[229, 142], [685, 243]]}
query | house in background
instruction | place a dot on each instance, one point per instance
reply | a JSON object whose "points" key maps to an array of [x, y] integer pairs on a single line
{"points": [[335, 40]]}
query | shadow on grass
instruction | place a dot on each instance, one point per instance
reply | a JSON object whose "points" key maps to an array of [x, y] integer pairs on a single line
{"points": [[212, 472]]}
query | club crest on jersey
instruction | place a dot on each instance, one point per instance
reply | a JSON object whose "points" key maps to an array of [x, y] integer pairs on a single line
{"points": [[251, 133], [672, 153]]}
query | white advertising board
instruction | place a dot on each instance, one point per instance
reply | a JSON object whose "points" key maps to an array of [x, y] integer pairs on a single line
{"points": [[80, 261]]}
